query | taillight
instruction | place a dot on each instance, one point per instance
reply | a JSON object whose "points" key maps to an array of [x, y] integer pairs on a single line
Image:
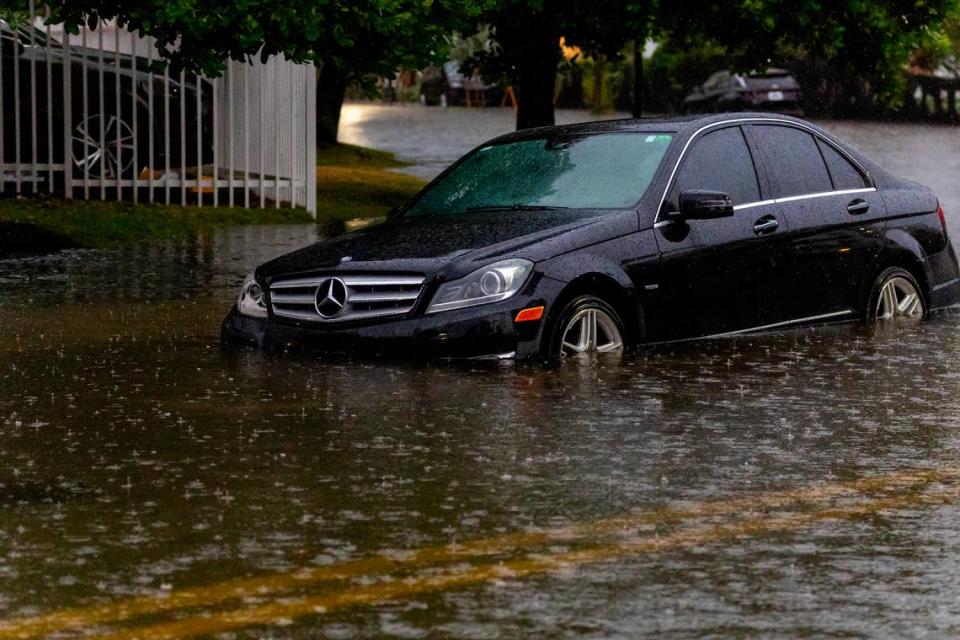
{"points": [[943, 217]]}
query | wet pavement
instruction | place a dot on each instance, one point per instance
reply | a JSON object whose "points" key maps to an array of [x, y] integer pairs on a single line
{"points": [[795, 484]]}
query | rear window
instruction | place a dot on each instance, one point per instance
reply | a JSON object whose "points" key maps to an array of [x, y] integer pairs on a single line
{"points": [[793, 161], [604, 171], [842, 171]]}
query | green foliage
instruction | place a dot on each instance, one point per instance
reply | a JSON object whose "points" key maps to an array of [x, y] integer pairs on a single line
{"points": [[850, 52], [520, 28], [943, 47], [673, 70], [615, 82], [863, 45], [358, 36]]}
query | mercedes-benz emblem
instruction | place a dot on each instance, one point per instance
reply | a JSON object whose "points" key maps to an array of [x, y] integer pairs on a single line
{"points": [[331, 298]]}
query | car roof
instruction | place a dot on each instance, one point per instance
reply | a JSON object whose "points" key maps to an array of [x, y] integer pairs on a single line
{"points": [[681, 125]]}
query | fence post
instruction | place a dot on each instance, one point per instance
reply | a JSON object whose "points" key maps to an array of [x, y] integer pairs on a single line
{"points": [[68, 118], [34, 171], [310, 162], [3, 169]]}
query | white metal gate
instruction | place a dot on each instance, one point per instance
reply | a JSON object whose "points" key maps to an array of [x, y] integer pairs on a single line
{"points": [[85, 116]]}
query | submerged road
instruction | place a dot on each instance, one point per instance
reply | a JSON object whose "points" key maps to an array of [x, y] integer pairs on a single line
{"points": [[793, 484], [318, 590]]}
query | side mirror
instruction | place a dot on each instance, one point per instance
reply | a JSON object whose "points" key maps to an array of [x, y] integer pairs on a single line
{"points": [[696, 204]]}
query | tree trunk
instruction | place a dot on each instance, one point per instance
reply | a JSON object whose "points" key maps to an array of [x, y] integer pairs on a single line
{"points": [[331, 89], [537, 78], [599, 64], [638, 45]]}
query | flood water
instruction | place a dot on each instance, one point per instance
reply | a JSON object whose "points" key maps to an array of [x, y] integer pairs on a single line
{"points": [[795, 484]]}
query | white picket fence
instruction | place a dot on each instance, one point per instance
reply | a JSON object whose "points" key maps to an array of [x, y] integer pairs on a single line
{"points": [[85, 117]]}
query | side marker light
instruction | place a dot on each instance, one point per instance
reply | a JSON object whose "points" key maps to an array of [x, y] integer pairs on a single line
{"points": [[529, 315]]}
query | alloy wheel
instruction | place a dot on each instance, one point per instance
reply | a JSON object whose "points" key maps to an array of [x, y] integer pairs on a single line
{"points": [[111, 159], [899, 301], [591, 330]]}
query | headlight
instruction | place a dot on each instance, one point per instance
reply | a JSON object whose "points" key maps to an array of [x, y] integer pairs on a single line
{"points": [[496, 282], [250, 301]]}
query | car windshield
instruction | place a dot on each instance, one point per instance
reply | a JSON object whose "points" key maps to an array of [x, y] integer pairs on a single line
{"points": [[605, 171]]}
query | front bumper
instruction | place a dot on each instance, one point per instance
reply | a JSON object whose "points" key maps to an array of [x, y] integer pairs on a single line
{"points": [[484, 331]]}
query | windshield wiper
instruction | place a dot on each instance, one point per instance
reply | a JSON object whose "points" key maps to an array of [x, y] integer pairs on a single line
{"points": [[516, 207]]}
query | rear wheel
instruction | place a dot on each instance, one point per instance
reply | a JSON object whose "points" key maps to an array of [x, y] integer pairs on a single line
{"points": [[585, 325], [896, 298]]}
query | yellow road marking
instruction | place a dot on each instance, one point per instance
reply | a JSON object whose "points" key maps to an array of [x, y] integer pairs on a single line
{"points": [[214, 594], [397, 589]]}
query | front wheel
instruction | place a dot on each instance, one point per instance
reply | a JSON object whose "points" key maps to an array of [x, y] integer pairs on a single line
{"points": [[895, 298], [585, 325]]}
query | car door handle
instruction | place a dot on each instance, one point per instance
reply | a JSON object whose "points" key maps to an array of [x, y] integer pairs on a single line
{"points": [[858, 206], [766, 224]]}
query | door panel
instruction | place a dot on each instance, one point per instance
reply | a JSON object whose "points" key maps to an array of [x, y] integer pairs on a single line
{"points": [[834, 218], [719, 275], [831, 250], [737, 267]]}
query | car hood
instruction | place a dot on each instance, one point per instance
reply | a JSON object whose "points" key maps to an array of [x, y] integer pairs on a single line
{"points": [[455, 245]]}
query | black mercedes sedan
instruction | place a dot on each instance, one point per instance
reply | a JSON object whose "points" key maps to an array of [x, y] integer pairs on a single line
{"points": [[594, 237]]}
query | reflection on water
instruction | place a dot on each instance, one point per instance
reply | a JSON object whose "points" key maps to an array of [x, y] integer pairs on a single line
{"points": [[137, 458], [212, 263]]}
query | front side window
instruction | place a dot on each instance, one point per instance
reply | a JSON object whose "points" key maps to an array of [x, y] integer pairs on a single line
{"points": [[720, 161], [793, 161], [604, 171]]}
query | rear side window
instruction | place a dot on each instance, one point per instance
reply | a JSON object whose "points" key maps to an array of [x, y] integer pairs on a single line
{"points": [[793, 161], [720, 161], [842, 171]]}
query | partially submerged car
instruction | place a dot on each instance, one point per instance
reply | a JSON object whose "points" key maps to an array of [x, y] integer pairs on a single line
{"points": [[772, 90], [592, 237]]}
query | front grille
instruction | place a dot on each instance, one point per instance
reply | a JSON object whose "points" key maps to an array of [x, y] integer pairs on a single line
{"points": [[366, 296]]}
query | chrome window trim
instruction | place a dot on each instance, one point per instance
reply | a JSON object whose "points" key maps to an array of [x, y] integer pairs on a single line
{"points": [[806, 196], [822, 194], [750, 205], [785, 123]]}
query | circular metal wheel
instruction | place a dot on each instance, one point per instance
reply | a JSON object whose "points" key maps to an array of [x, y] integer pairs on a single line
{"points": [[114, 157], [898, 301], [590, 330]]}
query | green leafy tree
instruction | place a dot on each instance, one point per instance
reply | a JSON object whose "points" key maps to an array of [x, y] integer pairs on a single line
{"points": [[943, 49], [855, 50], [864, 44], [528, 35], [200, 36], [367, 42], [348, 39]]}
